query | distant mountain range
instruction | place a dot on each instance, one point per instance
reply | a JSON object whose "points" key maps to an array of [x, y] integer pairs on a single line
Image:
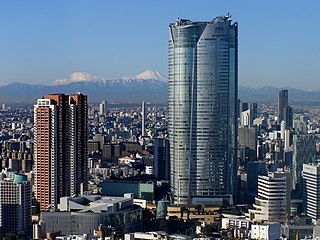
{"points": [[269, 93], [147, 86]]}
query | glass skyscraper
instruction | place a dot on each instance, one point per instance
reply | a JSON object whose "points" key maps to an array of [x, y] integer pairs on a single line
{"points": [[203, 93], [282, 104], [284, 110]]}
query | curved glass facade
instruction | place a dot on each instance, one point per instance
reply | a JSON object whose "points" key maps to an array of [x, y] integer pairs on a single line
{"points": [[203, 86]]}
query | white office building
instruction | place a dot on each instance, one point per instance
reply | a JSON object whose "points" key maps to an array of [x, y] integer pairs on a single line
{"points": [[311, 190], [102, 107], [273, 201]]}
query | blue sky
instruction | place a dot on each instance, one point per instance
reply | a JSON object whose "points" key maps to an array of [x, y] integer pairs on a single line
{"points": [[41, 41]]}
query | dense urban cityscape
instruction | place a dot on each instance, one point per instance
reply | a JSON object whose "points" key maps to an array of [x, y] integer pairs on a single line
{"points": [[203, 165]]}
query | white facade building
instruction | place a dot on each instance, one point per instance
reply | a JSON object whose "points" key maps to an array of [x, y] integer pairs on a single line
{"points": [[273, 201], [311, 177], [240, 227], [265, 231], [102, 107], [246, 118]]}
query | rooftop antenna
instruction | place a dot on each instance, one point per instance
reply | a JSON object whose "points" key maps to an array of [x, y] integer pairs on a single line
{"points": [[221, 19]]}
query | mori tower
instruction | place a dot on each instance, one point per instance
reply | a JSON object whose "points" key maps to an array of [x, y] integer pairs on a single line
{"points": [[203, 93]]}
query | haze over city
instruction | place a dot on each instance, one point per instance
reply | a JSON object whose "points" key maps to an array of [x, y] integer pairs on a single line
{"points": [[42, 41]]}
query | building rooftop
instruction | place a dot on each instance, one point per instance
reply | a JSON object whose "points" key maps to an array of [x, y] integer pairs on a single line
{"points": [[95, 204]]}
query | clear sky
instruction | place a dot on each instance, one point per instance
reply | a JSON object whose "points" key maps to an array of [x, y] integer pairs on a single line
{"points": [[41, 41]]}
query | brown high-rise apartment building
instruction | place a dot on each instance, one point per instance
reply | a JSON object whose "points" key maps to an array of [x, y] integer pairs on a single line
{"points": [[60, 150]]}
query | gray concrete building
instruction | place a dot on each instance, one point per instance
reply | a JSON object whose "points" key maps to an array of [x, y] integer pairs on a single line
{"points": [[15, 205], [304, 150], [83, 215]]}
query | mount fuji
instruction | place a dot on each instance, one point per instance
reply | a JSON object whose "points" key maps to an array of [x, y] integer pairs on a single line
{"points": [[146, 86]]}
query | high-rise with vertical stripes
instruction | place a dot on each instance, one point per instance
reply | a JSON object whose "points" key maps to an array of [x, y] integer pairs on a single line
{"points": [[203, 93], [284, 110], [143, 118], [60, 147]]}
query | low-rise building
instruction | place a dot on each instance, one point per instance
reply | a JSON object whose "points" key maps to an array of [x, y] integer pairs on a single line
{"points": [[146, 235], [142, 190], [298, 227], [265, 231], [203, 213], [237, 227], [83, 215]]}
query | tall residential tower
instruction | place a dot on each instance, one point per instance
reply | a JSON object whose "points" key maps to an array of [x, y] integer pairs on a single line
{"points": [[203, 93], [60, 150], [143, 118]]}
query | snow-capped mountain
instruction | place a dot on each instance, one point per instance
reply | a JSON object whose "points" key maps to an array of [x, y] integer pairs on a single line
{"points": [[146, 86], [149, 74]]}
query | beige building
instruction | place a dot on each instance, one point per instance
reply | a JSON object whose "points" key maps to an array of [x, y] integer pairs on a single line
{"points": [[205, 213]]}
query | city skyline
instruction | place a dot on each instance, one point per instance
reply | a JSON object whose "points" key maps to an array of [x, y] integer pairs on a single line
{"points": [[43, 42], [196, 158], [127, 168]]}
